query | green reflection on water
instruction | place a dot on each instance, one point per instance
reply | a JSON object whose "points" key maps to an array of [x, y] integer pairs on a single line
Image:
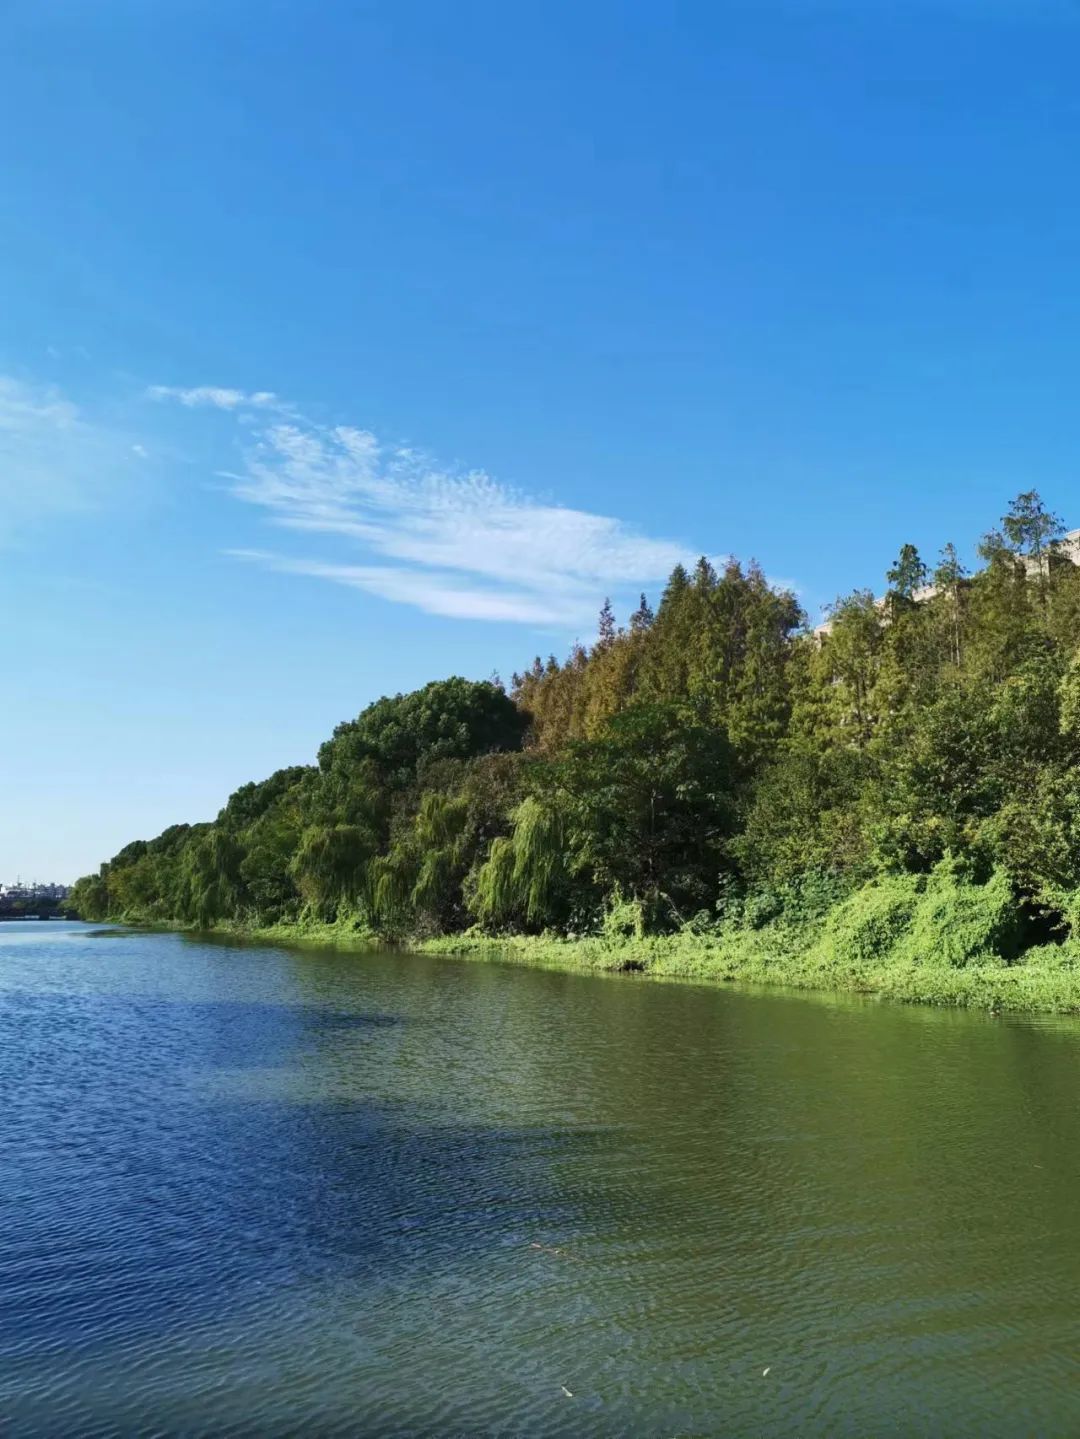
{"points": [[646, 1193]]}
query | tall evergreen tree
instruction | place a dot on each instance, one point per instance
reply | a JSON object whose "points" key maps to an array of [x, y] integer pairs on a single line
{"points": [[948, 579], [642, 618], [704, 575], [905, 578], [1034, 532], [1031, 528], [676, 587]]}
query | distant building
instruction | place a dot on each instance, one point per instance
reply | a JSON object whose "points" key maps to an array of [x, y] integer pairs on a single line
{"points": [[36, 890]]}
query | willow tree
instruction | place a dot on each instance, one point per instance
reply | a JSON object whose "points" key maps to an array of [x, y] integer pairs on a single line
{"points": [[330, 867], [525, 880]]}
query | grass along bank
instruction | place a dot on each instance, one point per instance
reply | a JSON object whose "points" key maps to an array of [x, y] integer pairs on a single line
{"points": [[1042, 980], [935, 939], [1024, 987]]}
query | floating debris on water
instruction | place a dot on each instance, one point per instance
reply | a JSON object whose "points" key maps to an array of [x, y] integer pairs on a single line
{"points": [[558, 1253]]}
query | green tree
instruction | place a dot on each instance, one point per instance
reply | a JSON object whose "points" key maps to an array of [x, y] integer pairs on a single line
{"points": [[905, 578], [642, 618], [525, 881], [331, 866], [447, 719], [648, 807], [1033, 531], [948, 580]]}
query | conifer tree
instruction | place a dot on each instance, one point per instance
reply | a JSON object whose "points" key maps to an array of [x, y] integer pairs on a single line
{"points": [[1034, 532], [678, 581], [1031, 528], [704, 575], [907, 575], [948, 577], [642, 618]]}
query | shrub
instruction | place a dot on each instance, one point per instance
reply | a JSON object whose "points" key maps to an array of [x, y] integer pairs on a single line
{"points": [[957, 922], [944, 919], [865, 928]]}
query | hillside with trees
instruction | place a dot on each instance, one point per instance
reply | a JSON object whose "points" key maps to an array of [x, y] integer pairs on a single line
{"points": [[710, 767]]}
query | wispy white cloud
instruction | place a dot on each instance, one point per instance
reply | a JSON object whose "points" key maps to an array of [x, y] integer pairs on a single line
{"points": [[24, 406], [451, 542], [459, 545], [438, 593], [214, 396], [53, 456]]}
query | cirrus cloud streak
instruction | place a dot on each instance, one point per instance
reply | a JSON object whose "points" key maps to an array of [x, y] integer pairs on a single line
{"points": [[451, 542], [215, 397]]}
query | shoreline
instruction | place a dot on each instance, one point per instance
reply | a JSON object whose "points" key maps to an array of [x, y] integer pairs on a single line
{"points": [[788, 960], [748, 958]]}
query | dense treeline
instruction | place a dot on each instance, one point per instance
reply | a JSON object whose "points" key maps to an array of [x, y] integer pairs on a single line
{"points": [[713, 763]]}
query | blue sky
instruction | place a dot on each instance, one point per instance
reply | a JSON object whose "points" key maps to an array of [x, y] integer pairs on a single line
{"points": [[347, 346]]}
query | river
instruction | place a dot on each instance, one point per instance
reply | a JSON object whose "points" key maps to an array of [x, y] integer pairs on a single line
{"points": [[248, 1190]]}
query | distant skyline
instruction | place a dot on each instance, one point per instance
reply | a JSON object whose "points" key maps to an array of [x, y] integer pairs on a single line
{"points": [[350, 348]]}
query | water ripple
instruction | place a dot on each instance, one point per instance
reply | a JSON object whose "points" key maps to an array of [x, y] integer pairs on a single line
{"points": [[248, 1192]]}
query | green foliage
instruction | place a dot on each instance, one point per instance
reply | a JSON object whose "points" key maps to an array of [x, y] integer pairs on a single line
{"points": [[1069, 704], [266, 871], [867, 927], [208, 885], [719, 642], [252, 801], [801, 815], [647, 808], [945, 919], [390, 881], [440, 850], [330, 865], [90, 898], [898, 793], [905, 579], [447, 719], [958, 922], [525, 879], [623, 918]]}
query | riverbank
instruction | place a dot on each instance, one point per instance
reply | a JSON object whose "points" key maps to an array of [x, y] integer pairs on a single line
{"points": [[1038, 984], [1025, 987], [941, 939], [1045, 981]]}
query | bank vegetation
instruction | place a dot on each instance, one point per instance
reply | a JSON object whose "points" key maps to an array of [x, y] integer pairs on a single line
{"points": [[890, 804]]}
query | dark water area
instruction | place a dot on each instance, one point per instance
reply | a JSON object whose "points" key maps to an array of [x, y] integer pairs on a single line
{"points": [[246, 1190]]}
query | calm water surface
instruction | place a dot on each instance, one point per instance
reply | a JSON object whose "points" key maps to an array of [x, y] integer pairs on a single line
{"points": [[253, 1191]]}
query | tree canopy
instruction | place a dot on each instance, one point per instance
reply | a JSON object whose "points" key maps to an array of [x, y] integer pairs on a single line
{"points": [[712, 747]]}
